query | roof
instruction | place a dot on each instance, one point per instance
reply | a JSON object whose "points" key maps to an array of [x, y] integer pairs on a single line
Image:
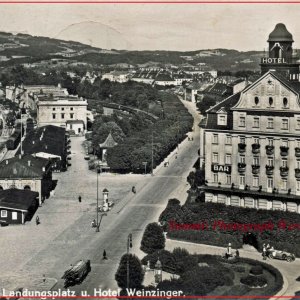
{"points": [[49, 139], [75, 122], [195, 86], [109, 142], [217, 88], [26, 166], [225, 106], [280, 34], [163, 77], [17, 199]]}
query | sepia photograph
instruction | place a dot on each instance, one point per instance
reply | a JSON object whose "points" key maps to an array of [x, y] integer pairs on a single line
{"points": [[149, 150]]}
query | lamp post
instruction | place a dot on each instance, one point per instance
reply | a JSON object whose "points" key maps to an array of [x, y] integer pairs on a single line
{"points": [[97, 208], [129, 245], [145, 164]]}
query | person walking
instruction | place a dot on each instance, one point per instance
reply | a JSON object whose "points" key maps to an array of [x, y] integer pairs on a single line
{"points": [[237, 253], [104, 255], [264, 252], [79, 199], [37, 220]]}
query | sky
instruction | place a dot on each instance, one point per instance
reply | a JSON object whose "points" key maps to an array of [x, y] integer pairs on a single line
{"points": [[181, 27]]}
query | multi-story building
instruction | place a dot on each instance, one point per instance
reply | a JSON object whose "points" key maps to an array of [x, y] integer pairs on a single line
{"points": [[59, 110], [250, 142]]}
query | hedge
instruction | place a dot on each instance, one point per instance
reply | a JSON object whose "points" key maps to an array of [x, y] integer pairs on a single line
{"points": [[253, 281]]}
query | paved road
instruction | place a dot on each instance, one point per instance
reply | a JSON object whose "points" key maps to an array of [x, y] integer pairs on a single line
{"points": [[65, 234]]}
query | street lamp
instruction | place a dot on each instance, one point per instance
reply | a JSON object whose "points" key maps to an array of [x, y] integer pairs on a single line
{"points": [[129, 245], [97, 209]]}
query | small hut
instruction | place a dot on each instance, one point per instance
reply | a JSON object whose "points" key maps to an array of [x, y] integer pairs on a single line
{"points": [[108, 143]]}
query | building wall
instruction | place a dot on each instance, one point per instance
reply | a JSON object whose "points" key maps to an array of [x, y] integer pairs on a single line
{"points": [[63, 112], [13, 217]]}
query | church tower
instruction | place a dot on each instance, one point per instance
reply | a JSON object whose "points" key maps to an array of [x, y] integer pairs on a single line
{"points": [[280, 55]]}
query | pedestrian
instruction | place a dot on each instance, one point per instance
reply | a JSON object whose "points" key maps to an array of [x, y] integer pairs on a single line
{"points": [[264, 252], [37, 220], [93, 223], [79, 199], [104, 255], [237, 253], [133, 189]]}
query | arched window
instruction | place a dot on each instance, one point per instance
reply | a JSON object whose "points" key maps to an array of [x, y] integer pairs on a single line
{"points": [[256, 100], [285, 102], [270, 101], [27, 187]]}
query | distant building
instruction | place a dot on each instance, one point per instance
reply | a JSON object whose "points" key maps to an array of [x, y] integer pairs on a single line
{"points": [[191, 91], [107, 144], [28, 173], [17, 206], [164, 79], [59, 110], [116, 76]]}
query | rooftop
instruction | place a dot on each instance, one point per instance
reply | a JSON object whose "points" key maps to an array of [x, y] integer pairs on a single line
{"points": [[280, 34]]}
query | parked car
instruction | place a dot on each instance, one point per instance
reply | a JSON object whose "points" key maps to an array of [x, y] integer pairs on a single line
{"points": [[283, 255]]}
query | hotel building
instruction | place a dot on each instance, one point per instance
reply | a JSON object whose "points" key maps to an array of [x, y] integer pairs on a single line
{"points": [[250, 142]]}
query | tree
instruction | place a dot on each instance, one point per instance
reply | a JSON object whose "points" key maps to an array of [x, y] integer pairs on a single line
{"points": [[153, 238], [136, 275]]}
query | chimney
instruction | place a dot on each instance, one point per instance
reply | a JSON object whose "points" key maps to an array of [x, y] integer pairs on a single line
{"points": [[29, 163], [6, 162]]}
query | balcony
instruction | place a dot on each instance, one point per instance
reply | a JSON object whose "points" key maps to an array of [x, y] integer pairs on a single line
{"points": [[269, 150], [284, 151], [255, 148], [297, 173], [297, 152], [284, 171], [269, 170], [241, 167], [242, 147], [255, 169]]}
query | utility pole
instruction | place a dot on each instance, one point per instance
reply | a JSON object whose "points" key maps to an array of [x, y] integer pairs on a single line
{"points": [[129, 245], [152, 154], [97, 224]]}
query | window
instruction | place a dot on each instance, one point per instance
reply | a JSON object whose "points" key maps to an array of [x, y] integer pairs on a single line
{"points": [[256, 160], [256, 100], [53, 108], [228, 140], [285, 124], [228, 179], [14, 215], [62, 108], [256, 122], [285, 102], [298, 124], [62, 116], [271, 101], [53, 116], [256, 140], [255, 182], [298, 186], [270, 162], [242, 159], [215, 158], [71, 108], [3, 213], [222, 120], [242, 180], [270, 182], [228, 159], [284, 163], [215, 177], [71, 116], [242, 121], [284, 184], [270, 142], [270, 123], [242, 140], [215, 139]]}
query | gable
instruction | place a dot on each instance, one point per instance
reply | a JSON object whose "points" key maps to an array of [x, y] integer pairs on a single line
{"points": [[269, 92]]}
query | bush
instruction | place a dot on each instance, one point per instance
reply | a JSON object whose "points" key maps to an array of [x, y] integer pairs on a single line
{"points": [[256, 270], [239, 269], [253, 281], [153, 238]]}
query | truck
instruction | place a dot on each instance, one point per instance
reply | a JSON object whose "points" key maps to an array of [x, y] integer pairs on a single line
{"points": [[76, 274]]}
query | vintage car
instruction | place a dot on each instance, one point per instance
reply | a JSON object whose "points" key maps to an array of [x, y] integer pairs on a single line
{"points": [[278, 254]]}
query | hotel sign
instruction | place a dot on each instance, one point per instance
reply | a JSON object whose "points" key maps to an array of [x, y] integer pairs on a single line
{"points": [[221, 168], [268, 60]]}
